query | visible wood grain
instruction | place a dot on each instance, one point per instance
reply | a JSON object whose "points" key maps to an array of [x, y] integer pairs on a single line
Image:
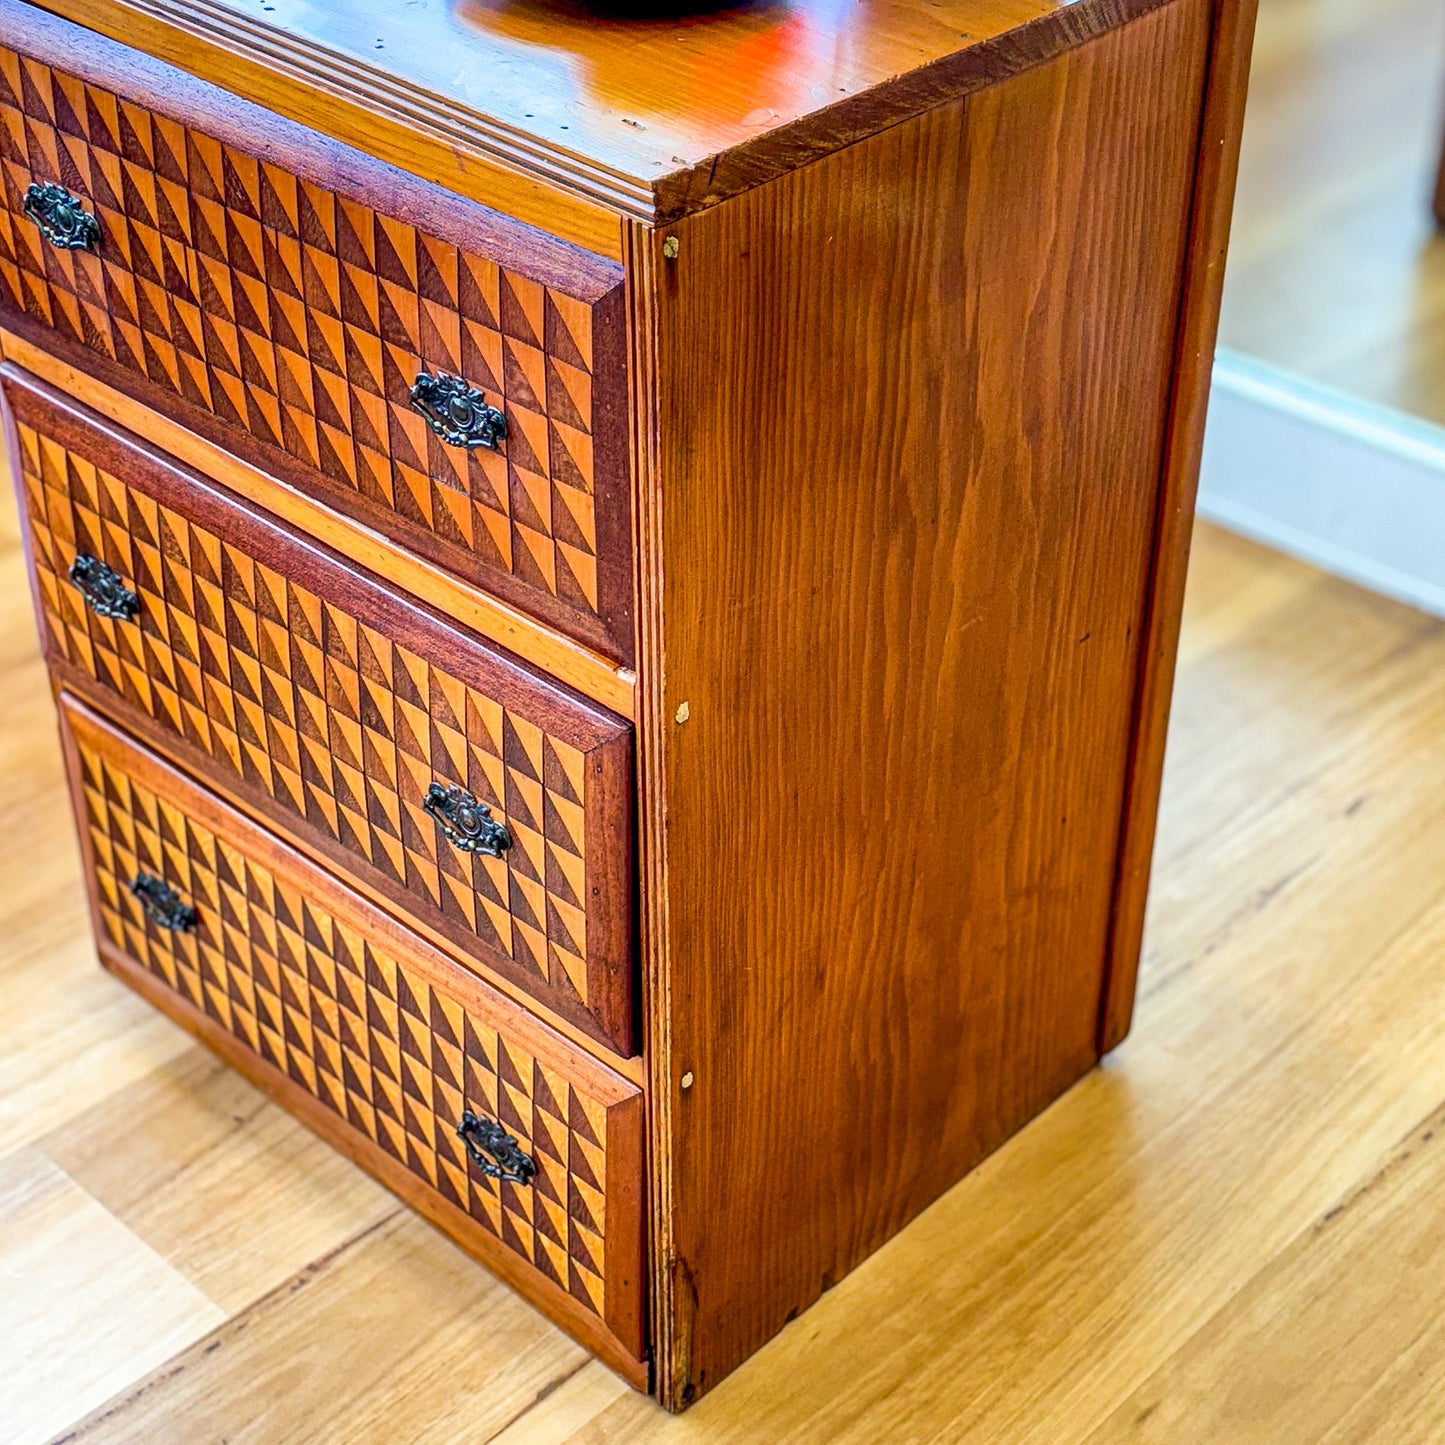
{"points": [[295, 289], [586, 1098], [410, 1338], [650, 118], [1358, 1288], [903, 600], [1212, 205], [569, 662], [257, 716], [77, 1287], [203, 1151]]}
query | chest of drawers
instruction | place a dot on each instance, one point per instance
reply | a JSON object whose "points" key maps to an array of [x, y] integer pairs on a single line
{"points": [[612, 584]]}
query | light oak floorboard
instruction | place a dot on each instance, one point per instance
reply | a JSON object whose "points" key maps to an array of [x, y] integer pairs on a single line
{"points": [[84, 1304], [1336, 271], [1219, 1216], [395, 1336], [204, 1154], [1337, 1340]]}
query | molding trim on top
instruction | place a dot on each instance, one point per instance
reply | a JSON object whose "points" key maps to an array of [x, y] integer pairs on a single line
{"points": [[205, 37]]}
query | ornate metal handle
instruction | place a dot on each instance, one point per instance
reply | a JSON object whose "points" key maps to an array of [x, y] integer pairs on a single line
{"points": [[105, 594], [62, 218], [467, 824], [458, 413], [494, 1151], [163, 904]]}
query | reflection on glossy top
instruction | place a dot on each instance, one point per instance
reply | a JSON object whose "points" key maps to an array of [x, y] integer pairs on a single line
{"points": [[640, 97]]}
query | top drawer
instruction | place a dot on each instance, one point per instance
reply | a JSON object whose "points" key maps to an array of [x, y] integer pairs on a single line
{"points": [[261, 277]]}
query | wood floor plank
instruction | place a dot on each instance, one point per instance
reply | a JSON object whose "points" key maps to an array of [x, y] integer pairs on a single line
{"points": [[231, 1190], [397, 1336], [1269, 707], [70, 1036], [1339, 1339], [85, 1306], [572, 1405], [1232, 583], [1336, 271]]}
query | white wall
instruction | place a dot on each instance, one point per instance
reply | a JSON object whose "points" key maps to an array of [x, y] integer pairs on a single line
{"points": [[1354, 488]]}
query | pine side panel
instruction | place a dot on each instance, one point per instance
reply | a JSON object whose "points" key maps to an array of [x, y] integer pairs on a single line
{"points": [[911, 425]]}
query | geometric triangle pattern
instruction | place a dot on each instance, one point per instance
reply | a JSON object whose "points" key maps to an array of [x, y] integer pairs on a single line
{"points": [[337, 725], [304, 316], [398, 1059]]}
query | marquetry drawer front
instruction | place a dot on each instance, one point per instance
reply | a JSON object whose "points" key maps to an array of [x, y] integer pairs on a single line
{"points": [[351, 718], [397, 1045], [303, 317]]}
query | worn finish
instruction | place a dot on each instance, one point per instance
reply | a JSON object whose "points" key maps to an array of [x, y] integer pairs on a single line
{"points": [[397, 1044], [297, 294], [923, 617], [332, 708]]}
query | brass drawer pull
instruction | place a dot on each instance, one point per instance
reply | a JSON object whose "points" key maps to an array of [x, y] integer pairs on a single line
{"points": [[494, 1151], [459, 414], [62, 218], [466, 823], [105, 594], [162, 904]]}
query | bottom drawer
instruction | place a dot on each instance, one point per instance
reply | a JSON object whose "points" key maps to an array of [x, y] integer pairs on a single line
{"points": [[371, 1037]]}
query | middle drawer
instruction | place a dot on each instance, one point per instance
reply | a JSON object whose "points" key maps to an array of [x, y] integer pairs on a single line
{"points": [[486, 801]]}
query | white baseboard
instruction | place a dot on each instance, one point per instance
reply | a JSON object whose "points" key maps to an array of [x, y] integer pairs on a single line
{"points": [[1354, 488]]}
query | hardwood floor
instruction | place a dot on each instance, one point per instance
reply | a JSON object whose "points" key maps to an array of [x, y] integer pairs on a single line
{"points": [[1336, 270], [1229, 1233]]}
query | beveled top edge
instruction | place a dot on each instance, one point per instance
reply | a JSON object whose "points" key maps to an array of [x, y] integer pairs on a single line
{"points": [[692, 163]]}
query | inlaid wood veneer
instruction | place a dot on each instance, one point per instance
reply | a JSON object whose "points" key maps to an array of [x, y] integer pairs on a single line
{"points": [[300, 315], [334, 710], [396, 1045]]}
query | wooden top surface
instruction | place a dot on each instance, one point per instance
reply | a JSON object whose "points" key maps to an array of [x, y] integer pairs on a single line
{"points": [[652, 118]]}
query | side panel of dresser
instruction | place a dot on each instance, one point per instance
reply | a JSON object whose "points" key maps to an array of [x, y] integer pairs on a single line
{"points": [[899, 504]]}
